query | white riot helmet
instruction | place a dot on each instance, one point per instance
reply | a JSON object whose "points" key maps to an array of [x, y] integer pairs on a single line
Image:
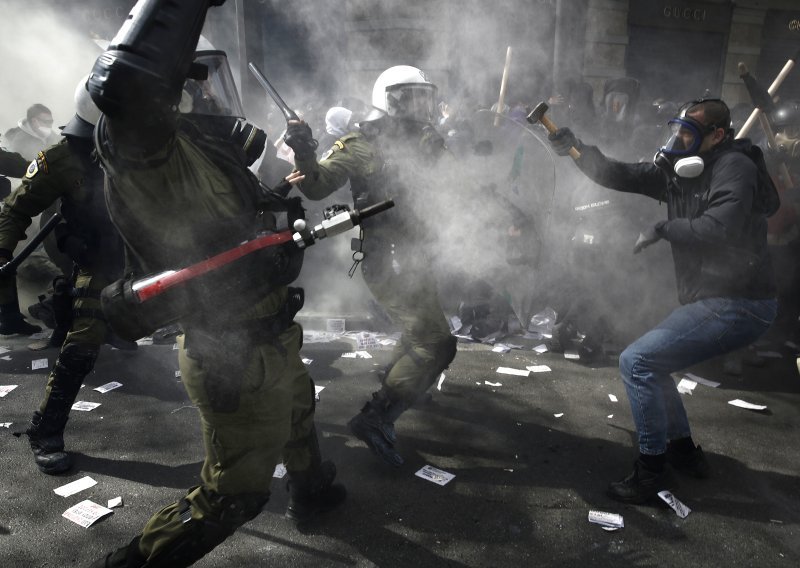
{"points": [[404, 92], [86, 113]]}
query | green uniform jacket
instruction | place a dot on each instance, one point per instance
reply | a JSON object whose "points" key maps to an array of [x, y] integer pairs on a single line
{"points": [[55, 173]]}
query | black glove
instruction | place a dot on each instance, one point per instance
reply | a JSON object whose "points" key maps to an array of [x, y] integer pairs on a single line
{"points": [[649, 237], [562, 140], [299, 138]]}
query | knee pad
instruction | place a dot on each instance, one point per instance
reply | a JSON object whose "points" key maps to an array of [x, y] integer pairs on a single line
{"points": [[77, 359]]}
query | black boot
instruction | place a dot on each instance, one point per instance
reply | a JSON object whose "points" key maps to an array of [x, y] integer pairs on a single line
{"points": [[374, 426], [46, 437], [125, 557], [313, 492], [641, 485], [12, 321]]}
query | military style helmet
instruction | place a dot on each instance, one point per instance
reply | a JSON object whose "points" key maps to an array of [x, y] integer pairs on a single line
{"points": [[786, 118], [404, 92], [86, 115]]}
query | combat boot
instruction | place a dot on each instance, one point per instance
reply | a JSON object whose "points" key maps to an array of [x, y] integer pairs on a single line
{"points": [[313, 492], [46, 437], [374, 426]]}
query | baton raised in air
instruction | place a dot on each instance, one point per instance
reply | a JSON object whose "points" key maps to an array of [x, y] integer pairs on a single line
{"points": [[262, 80]]}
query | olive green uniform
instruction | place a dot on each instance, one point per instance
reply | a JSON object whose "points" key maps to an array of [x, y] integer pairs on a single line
{"points": [[254, 394], [396, 266], [60, 173]]}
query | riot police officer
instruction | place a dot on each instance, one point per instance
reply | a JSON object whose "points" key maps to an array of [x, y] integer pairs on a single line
{"points": [[179, 191], [395, 141], [67, 172]]}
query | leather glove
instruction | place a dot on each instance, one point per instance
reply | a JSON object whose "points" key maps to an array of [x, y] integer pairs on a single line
{"points": [[562, 140], [649, 237], [299, 138]]}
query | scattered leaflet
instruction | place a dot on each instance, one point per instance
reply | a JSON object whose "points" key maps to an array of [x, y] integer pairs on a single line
{"points": [[612, 398], [511, 371], [571, 355], [441, 380], [747, 405], [115, 502], [335, 325], [680, 509], [501, 348], [611, 521], [455, 323], [542, 348], [435, 475], [357, 355], [5, 424], [145, 341], [5, 389], [75, 487], [559, 415], [685, 386], [85, 406], [280, 471], [6, 358], [307, 361], [39, 364], [317, 389], [4, 349], [86, 513], [177, 374], [491, 384], [538, 368], [108, 387]]}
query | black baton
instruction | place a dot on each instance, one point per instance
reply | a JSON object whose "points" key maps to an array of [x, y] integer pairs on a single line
{"points": [[11, 266]]}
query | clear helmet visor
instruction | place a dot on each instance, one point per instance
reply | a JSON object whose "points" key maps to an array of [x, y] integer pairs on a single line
{"points": [[684, 138], [217, 94], [412, 101]]}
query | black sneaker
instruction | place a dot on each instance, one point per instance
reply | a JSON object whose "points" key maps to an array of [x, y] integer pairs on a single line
{"points": [[641, 485], [692, 463]]}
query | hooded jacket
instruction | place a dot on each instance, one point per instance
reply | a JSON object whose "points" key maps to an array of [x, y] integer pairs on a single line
{"points": [[716, 223]]}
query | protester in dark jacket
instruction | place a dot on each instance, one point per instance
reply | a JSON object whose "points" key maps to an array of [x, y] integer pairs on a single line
{"points": [[718, 196]]}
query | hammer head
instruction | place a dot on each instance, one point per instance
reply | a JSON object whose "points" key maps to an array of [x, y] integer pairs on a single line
{"points": [[537, 113]]}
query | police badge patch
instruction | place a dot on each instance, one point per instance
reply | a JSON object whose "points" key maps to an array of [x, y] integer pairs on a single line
{"points": [[40, 163]]}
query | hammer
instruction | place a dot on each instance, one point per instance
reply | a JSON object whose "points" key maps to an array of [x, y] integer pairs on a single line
{"points": [[537, 115]]}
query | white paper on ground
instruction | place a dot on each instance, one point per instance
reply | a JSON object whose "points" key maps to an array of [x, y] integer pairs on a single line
{"points": [[6, 358], [542, 348], [511, 371], [39, 364], [685, 386], [610, 416], [75, 486], [5, 424], [335, 325], [145, 341], [676, 505], [491, 384], [317, 389], [748, 405], [115, 502], [307, 361], [280, 471], [4, 350], [501, 348], [538, 368], [387, 341], [435, 475], [612, 397], [455, 323], [86, 513], [612, 520], [108, 387], [357, 355], [571, 355], [85, 406], [5, 389], [177, 374], [702, 381], [441, 380], [559, 415]]}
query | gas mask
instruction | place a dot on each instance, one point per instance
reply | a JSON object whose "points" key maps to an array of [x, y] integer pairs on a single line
{"points": [[788, 145], [679, 153]]}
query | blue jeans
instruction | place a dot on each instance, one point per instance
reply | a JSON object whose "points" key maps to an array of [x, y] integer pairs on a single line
{"points": [[690, 334]]}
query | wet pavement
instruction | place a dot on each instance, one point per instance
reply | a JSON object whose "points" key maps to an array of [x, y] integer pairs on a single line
{"points": [[525, 479]]}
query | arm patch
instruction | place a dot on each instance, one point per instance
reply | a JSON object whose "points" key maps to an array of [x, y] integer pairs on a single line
{"points": [[40, 163]]}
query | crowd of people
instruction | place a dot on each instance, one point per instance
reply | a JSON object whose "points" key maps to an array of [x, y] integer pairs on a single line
{"points": [[159, 169]]}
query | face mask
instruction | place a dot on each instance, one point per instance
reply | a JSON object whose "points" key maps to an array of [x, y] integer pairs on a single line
{"points": [[44, 131], [789, 145]]}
